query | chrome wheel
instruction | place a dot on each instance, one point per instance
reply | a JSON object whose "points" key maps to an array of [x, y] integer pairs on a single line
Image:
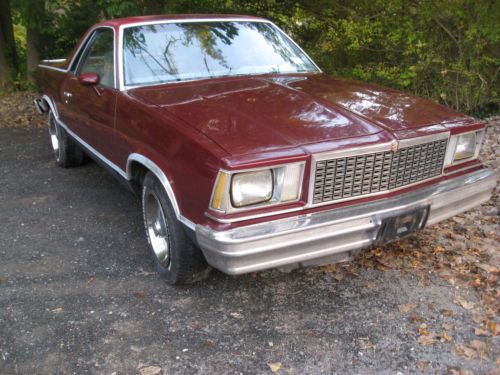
{"points": [[54, 137], [156, 227]]}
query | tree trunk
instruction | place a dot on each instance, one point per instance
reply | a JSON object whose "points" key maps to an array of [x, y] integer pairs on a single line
{"points": [[32, 55], [35, 13], [8, 57]]}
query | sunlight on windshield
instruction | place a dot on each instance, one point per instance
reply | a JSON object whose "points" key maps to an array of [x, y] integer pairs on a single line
{"points": [[186, 51]]}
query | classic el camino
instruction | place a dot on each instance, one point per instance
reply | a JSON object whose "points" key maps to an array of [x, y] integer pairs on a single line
{"points": [[245, 155]]}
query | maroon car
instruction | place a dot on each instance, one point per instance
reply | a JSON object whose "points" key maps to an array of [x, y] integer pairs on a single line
{"points": [[246, 156]]}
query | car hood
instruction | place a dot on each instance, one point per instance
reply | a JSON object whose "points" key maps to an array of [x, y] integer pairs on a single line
{"points": [[257, 114]]}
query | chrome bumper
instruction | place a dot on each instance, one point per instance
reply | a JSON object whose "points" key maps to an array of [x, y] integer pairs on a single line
{"points": [[329, 236]]}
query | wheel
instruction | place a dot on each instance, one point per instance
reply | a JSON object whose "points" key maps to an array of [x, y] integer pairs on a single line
{"points": [[175, 256], [66, 151]]}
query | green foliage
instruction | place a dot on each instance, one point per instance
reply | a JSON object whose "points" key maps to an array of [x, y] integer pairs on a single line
{"points": [[446, 50]]}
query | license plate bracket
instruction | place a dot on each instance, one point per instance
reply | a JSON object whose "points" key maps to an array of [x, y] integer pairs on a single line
{"points": [[396, 227]]}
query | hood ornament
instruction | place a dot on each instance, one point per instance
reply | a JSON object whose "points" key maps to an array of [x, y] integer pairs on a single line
{"points": [[394, 146]]}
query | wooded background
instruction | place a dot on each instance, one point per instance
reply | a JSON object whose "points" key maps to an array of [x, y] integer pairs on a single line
{"points": [[445, 50]]}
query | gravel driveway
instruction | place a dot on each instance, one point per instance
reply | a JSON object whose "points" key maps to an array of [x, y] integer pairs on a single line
{"points": [[78, 295]]}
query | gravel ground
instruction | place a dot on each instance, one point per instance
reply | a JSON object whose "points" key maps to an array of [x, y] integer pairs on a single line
{"points": [[78, 295]]}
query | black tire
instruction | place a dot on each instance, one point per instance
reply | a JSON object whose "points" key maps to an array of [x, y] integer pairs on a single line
{"points": [[66, 152], [184, 262]]}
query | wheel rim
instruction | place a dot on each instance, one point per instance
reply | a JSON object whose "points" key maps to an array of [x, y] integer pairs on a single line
{"points": [[156, 228], [54, 137]]}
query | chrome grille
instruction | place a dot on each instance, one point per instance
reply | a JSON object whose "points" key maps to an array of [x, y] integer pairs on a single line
{"points": [[359, 175]]}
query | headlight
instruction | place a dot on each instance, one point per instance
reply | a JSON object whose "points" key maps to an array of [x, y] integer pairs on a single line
{"points": [[256, 188], [466, 146], [251, 188], [463, 147]]}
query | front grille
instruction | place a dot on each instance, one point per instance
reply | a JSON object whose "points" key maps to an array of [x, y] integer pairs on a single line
{"points": [[359, 175]]}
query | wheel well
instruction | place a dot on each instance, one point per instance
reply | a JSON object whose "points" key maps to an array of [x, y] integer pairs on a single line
{"points": [[137, 172]]}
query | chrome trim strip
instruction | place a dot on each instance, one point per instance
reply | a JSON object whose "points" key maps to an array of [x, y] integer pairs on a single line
{"points": [[51, 105], [52, 68], [195, 20], [55, 61], [381, 147], [424, 139], [249, 217], [127, 174]]}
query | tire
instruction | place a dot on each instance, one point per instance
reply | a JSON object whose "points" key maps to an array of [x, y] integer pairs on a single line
{"points": [[66, 152], [176, 258]]}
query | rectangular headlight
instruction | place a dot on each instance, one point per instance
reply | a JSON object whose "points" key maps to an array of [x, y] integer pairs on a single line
{"points": [[466, 146], [234, 191], [251, 188], [463, 147]]}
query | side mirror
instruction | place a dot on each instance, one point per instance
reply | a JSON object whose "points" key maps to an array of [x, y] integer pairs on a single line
{"points": [[89, 79]]}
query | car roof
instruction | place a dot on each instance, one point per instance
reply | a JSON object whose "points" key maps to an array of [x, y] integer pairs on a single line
{"points": [[117, 22]]}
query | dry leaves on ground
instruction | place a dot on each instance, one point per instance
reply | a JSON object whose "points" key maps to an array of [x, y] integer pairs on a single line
{"points": [[149, 370], [474, 349], [407, 307], [275, 366], [18, 111]]}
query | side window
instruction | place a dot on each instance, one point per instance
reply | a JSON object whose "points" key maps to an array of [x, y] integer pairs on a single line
{"points": [[98, 57]]}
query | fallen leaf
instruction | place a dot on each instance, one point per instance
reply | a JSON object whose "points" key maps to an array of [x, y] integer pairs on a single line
{"points": [[444, 336], [415, 319], [370, 285], [460, 372], [422, 330], [493, 327], [422, 365], [479, 346], [57, 310], [464, 303], [338, 276], [480, 331], [403, 309], [445, 312], [150, 370], [464, 351], [487, 267], [448, 327], [139, 294], [275, 366], [427, 340]]}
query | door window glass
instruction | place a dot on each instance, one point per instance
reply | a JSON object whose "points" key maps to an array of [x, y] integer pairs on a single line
{"points": [[98, 57]]}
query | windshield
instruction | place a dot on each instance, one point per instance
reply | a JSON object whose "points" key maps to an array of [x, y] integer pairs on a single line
{"points": [[195, 50]]}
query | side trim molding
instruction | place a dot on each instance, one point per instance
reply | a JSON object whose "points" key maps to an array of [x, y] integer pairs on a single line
{"points": [[52, 68]]}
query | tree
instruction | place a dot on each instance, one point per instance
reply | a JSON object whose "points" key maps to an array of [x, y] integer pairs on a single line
{"points": [[34, 14], [8, 57]]}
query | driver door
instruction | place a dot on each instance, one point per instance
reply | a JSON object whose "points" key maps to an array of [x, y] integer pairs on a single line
{"points": [[89, 110]]}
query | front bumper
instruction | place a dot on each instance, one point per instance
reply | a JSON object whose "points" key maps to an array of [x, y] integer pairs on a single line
{"points": [[329, 236]]}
